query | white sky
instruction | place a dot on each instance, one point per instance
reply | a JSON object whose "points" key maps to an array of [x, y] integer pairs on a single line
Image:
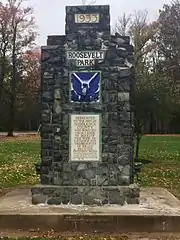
{"points": [[50, 14]]}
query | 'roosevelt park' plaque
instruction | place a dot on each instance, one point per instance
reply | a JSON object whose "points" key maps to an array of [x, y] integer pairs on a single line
{"points": [[85, 137]]}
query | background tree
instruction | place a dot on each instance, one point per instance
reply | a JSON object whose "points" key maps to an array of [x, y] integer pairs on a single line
{"points": [[154, 90], [168, 56], [5, 16], [17, 35], [28, 91], [141, 34], [122, 25], [21, 28], [169, 39]]}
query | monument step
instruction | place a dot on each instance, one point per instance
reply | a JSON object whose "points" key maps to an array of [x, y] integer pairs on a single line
{"points": [[158, 211]]}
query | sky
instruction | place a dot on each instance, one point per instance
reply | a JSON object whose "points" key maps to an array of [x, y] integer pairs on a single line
{"points": [[50, 14]]}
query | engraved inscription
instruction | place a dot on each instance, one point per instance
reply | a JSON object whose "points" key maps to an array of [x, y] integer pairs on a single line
{"points": [[85, 139], [85, 58], [87, 18]]}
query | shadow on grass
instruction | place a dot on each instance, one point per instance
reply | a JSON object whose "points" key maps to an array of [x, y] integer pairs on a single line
{"points": [[144, 161]]}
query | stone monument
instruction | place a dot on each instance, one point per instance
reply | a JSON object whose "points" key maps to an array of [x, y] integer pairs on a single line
{"points": [[87, 113]]}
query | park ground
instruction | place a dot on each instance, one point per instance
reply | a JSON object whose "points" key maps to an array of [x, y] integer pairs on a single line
{"points": [[160, 155]]}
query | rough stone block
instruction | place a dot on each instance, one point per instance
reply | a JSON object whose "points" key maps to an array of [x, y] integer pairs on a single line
{"points": [[54, 201], [115, 197], [132, 200], [123, 96], [47, 144], [57, 107], [38, 199]]}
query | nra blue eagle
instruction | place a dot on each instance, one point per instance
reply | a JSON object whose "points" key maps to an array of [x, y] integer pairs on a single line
{"points": [[85, 86]]}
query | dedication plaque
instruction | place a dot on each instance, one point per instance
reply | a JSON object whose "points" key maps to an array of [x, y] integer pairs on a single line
{"points": [[85, 137]]}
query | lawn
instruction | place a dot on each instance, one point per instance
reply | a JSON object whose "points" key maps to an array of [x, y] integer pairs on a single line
{"points": [[17, 158], [161, 156]]}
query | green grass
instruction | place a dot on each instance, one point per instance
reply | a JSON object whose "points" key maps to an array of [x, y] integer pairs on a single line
{"points": [[161, 155], [17, 160]]}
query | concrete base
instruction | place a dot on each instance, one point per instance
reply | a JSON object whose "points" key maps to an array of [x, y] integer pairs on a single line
{"points": [[158, 211]]}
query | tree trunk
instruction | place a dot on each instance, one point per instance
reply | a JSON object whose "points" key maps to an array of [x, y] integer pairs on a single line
{"points": [[139, 133], [138, 138], [151, 124], [13, 88], [11, 116], [3, 70]]}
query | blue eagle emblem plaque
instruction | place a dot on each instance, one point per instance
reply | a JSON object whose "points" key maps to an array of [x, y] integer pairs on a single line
{"points": [[85, 86]]}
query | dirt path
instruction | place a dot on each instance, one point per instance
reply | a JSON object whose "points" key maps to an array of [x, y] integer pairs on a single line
{"points": [[21, 137], [162, 135], [75, 236]]}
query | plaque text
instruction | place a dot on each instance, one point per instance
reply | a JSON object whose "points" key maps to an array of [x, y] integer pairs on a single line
{"points": [[85, 58], [87, 18], [85, 139]]}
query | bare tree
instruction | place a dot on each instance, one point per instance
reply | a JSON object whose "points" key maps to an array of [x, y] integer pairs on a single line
{"points": [[123, 24], [22, 36], [85, 2], [5, 17], [141, 32]]}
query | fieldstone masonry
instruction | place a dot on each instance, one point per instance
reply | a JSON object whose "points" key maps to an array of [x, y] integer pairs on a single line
{"points": [[109, 179]]}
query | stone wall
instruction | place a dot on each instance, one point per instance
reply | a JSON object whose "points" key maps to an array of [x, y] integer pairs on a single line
{"points": [[108, 180]]}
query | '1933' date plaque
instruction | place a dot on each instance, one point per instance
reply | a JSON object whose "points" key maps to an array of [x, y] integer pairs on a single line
{"points": [[85, 137], [87, 18]]}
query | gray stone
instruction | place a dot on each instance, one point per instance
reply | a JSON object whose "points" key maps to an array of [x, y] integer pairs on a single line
{"points": [[38, 199], [88, 196], [125, 180], [57, 180], [47, 96], [116, 198], [134, 191], [90, 173], [81, 167], [132, 200], [126, 170], [123, 96], [124, 72], [57, 107], [57, 94], [36, 190], [54, 201], [123, 160], [76, 199], [88, 200]]}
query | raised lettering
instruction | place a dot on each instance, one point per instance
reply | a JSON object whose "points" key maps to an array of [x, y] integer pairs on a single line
{"points": [[85, 58], [85, 138]]}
